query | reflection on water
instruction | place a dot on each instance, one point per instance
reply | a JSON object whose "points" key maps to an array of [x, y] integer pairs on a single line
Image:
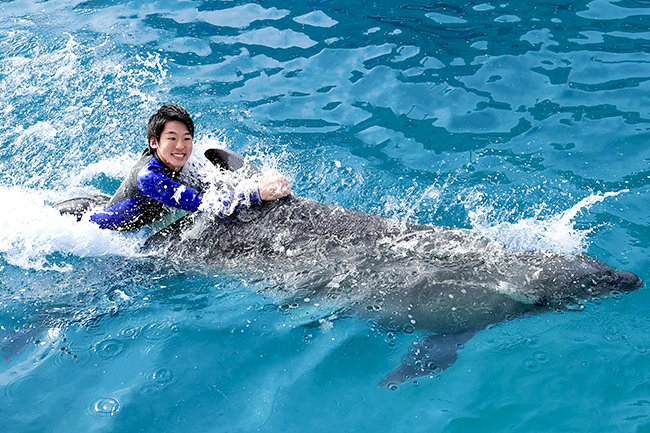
{"points": [[487, 94]]}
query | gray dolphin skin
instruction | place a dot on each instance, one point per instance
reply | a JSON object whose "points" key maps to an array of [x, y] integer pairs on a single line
{"points": [[328, 261]]}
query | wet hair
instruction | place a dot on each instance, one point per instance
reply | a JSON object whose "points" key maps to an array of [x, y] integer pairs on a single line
{"points": [[166, 113]]}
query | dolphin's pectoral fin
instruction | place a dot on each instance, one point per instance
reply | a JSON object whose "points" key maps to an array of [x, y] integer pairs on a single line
{"points": [[432, 354], [16, 341], [229, 160]]}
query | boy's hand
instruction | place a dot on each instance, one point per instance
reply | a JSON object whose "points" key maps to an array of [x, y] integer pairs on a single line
{"points": [[274, 186]]}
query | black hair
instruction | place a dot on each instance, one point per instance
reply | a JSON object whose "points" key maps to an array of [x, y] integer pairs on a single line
{"points": [[166, 113]]}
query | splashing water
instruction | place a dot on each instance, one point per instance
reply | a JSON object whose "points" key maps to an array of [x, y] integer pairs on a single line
{"points": [[35, 236], [556, 233]]}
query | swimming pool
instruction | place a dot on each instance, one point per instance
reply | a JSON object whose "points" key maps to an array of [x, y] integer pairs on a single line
{"points": [[525, 121]]}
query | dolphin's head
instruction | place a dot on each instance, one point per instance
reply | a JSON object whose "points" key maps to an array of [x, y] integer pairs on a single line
{"points": [[595, 277], [622, 281], [571, 280]]}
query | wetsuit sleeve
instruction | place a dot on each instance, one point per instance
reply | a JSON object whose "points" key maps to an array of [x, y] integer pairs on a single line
{"points": [[228, 202], [154, 183], [119, 214]]}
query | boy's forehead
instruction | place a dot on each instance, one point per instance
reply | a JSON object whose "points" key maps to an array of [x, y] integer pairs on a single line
{"points": [[172, 126]]}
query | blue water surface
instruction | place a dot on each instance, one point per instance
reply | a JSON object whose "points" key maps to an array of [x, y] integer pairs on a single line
{"points": [[526, 121]]}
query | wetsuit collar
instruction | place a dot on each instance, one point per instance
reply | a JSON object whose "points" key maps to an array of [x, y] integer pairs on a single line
{"points": [[168, 171]]}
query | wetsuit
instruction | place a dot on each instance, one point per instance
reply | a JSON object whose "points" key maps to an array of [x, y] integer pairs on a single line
{"points": [[150, 187]]}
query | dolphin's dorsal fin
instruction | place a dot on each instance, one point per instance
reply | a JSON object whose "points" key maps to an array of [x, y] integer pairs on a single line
{"points": [[434, 353], [229, 160]]}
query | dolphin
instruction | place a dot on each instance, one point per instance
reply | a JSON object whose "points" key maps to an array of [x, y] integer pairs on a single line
{"points": [[445, 283]]}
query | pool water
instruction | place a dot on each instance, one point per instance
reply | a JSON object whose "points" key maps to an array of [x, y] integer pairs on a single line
{"points": [[526, 121]]}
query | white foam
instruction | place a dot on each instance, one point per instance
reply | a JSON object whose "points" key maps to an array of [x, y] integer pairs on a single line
{"points": [[32, 231], [114, 167], [556, 233]]}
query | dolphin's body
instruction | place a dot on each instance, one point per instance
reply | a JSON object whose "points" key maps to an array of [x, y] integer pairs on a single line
{"points": [[447, 283]]}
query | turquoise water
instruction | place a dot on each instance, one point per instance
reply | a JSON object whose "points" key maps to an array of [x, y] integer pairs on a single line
{"points": [[526, 121]]}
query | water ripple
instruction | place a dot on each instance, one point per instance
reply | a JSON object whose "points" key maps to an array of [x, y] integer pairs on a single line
{"points": [[28, 389], [160, 377], [105, 406], [109, 348]]}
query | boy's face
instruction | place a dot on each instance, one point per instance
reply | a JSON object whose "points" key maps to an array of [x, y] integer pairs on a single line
{"points": [[175, 145]]}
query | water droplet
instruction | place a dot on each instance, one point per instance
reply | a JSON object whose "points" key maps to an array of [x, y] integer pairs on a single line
{"points": [[129, 333], [106, 406], [156, 331], [541, 357], [109, 349], [532, 365], [642, 350], [162, 376], [149, 388]]}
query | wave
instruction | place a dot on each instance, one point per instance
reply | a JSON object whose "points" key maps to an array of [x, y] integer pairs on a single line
{"points": [[556, 233]]}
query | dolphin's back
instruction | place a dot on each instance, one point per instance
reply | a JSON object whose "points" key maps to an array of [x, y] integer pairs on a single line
{"points": [[431, 278]]}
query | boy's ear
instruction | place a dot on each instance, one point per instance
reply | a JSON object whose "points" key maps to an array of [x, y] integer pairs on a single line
{"points": [[153, 143]]}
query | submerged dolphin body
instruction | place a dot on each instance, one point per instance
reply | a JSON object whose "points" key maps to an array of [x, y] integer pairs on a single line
{"points": [[447, 283]]}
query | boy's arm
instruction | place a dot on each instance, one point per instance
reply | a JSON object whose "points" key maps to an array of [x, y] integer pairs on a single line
{"points": [[154, 183], [118, 214]]}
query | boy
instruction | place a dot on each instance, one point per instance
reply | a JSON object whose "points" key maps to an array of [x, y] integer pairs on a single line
{"points": [[154, 182]]}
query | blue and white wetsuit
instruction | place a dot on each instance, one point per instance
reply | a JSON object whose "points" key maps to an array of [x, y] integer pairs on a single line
{"points": [[151, 186]]}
